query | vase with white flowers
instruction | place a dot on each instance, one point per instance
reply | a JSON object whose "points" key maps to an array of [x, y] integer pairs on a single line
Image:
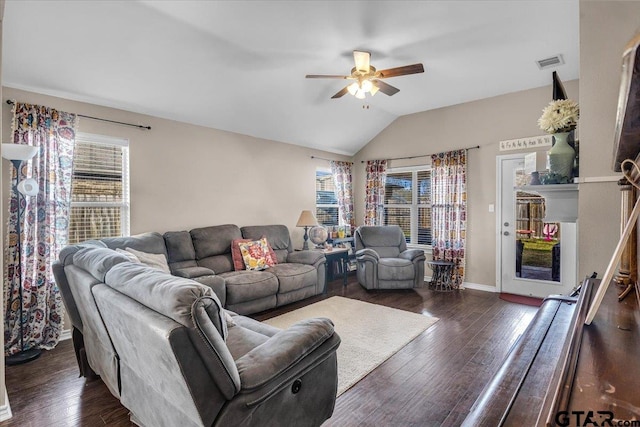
{"points": [[559, 118]]}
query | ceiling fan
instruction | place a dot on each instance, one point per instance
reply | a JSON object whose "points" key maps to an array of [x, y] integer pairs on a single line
{"points": [[367, 78]]}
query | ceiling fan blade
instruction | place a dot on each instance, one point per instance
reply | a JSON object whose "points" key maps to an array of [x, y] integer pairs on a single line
{"points": [[385, 88], [325, 76], [400, 71], [362, 59], [341, 93]]}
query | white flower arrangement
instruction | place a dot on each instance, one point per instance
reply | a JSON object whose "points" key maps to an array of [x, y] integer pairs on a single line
{"points": [[559, 116]]}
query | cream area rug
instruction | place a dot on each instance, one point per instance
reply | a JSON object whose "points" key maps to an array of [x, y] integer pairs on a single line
{"points": [[370, 333]]}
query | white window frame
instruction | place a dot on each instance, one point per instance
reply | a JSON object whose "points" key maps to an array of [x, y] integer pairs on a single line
{"points": [[414, 206], [125, 205], [325, 205]]}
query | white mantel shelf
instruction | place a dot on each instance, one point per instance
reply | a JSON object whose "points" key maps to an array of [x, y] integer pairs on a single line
{"points": [[561, 201]]}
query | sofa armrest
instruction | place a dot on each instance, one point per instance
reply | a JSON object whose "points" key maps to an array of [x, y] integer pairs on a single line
{"points": [[192, 272], [282, 352], [305, 257], [367, 254], [413, 254]]}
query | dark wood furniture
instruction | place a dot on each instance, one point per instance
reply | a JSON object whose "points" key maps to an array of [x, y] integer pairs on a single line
{"points": [[337, 261], [562, 372]]}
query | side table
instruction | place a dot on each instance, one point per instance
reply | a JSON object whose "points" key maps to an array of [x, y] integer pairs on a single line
{"points": [[442, 274], [335, 255]]}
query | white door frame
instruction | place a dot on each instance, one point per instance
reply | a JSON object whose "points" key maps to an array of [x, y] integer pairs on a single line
{"points": [[568, 260], [498, 211]]}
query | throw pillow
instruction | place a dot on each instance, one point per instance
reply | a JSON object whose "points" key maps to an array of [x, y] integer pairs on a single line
{"points": [[256, 254], [236, 255], [274, 258], [158, 261], [129, 255]]}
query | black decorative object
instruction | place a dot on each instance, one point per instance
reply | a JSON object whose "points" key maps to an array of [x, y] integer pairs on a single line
{"points": [[558, 88]]}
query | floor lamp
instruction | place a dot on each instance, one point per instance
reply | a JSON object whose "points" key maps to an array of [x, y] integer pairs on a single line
{"points": [[18, 153]]}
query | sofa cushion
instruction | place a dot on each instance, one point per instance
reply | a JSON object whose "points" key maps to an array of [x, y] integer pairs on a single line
{"points": [[292, 277], [97, 261], [395, 269], [215, 240], [218, 263], [179, 247], [193, 272], [249, 285]]}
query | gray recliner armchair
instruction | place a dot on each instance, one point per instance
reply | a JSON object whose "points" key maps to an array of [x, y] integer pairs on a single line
{"points": [[384, 262]]}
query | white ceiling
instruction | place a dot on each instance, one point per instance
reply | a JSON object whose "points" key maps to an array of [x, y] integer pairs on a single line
{"points": [[240, 65]]}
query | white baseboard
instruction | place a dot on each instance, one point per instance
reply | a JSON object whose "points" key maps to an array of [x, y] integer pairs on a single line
{"points": [[479, 287], [65, 334], [5, 410]]}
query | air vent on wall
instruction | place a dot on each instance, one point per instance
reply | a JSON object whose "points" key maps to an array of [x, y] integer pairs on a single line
{"points": [[553, 61]]}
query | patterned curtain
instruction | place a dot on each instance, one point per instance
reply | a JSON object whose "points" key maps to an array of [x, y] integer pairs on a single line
{"points": [[342, 181], [374, 192], [44, 225], [449, 209]]}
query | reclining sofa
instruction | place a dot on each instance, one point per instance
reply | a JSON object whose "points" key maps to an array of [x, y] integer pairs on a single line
{"points": [[166, 347]]}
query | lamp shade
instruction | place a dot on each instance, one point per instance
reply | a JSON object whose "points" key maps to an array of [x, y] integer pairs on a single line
{"points": [[306, 219], [18, 151], [28, 187]]}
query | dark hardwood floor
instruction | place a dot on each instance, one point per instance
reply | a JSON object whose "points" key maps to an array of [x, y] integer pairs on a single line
{"points": [[433, 381]]}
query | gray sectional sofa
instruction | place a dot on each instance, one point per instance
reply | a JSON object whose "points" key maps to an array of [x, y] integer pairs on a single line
{"points": [[198, 253], [167, 348]]}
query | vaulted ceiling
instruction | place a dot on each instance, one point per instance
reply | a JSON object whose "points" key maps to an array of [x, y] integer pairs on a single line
{"points": [[240, 65]]}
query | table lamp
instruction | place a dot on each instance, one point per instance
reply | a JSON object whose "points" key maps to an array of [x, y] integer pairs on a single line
{"points": [[306, 220]]}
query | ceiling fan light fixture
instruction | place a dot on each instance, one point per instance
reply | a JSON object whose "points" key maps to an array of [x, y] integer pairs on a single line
{"points": [[360, 94], [353, 88], [366, 86], [374, 89]]}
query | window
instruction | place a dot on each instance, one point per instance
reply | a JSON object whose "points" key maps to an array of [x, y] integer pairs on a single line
{"points": [[326, 201], [99, 188], [407, 203]]}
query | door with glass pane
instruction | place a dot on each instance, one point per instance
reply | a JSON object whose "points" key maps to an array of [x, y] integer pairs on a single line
{"points": [[536, 258]]}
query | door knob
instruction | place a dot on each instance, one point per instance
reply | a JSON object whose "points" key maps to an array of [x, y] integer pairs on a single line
{"points": [[506, 233]]}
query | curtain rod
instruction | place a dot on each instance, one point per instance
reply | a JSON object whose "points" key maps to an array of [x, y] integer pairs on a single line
{"points": [[328, 160], [10, 102], [424, 155]]}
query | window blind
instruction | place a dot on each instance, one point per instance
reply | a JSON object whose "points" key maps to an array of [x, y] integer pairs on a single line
{"points": [[407, 203], [100, 189], [326, 201]]}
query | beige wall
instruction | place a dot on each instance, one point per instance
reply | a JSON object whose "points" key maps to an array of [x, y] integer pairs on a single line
{"points": [[185, 176], [605, 29], [483, 123]]}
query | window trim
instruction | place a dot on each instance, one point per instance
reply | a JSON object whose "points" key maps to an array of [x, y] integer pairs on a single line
{"points": [[125, 205], [414, 206]]}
